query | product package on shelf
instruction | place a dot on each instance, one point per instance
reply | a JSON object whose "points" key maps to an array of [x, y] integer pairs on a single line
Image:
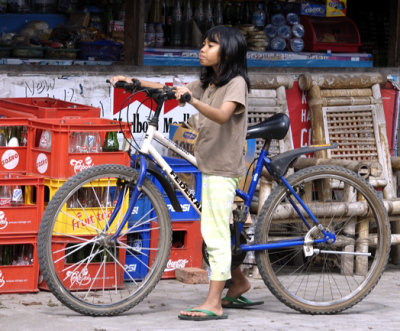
{"points": [[64, 147], [19, 266], [21, 203]]}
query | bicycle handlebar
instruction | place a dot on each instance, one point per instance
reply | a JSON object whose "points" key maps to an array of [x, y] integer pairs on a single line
{"points": [[167, 92]]}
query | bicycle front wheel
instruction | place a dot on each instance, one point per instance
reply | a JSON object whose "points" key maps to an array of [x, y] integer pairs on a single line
{"points": [[85, 262], [324, 278]]}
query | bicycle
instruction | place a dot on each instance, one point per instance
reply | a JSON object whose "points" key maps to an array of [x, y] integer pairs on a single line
{"points": [[321, 242]]}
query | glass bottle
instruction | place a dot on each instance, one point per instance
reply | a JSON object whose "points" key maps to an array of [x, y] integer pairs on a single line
{"points": [[187, 24], [218, 14], [23, 135], [3, 137], [259, 17], [208, 16], [5, 195], [45, 140], [159, 36], [155, 12], [17, 198], [228, 14], [13, 139], [247, 15], [238, 13], [3, 9], [199, 15], [110, 143], [7, 255], [168, 22], [177, 24]]}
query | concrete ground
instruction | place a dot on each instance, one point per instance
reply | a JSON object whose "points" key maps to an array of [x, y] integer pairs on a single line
{"points": [[380, 310]]}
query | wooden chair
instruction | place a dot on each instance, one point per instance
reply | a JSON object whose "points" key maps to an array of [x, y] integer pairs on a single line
{"points": [[348, 109], [268, 97]]}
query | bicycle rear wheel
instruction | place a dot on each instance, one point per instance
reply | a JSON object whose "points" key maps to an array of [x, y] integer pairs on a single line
{"points": [[331, 277], [83, 264]]}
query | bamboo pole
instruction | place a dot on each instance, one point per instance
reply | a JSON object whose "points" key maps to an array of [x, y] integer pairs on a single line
{"points": [[365, 92], [339, 81]]}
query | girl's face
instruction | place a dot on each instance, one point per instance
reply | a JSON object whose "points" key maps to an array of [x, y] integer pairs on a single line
{"points": [[209, 54]]}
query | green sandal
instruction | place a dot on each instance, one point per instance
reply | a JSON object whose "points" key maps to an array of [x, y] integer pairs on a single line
{"points": [[240, 302], [209, 315]]}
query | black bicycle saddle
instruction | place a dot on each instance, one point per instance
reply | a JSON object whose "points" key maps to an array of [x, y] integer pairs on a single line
{"points": [[274, 127]]}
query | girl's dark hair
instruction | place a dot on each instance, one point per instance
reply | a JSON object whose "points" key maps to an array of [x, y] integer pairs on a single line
{"points": [[233, 49]]}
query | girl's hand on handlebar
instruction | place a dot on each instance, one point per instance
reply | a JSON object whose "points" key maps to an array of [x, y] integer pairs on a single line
{"points": [[180, 91]]}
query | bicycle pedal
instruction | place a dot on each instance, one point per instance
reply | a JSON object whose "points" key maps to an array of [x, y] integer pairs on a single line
{"points": [[240, 213]]}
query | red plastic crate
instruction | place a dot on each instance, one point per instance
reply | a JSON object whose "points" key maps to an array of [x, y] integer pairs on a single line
{"points": [[46, 108], [76, 279], [23, 219], [186, 247], [14, 159], [9, 113], [59, 162], [19, 278]]}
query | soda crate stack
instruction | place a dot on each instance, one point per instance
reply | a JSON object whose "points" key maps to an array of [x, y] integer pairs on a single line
{"points": [[43, 142], [186, 236], [21, 208]]}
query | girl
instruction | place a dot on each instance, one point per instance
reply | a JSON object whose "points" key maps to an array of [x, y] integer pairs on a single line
{"points": [[220, 96]]}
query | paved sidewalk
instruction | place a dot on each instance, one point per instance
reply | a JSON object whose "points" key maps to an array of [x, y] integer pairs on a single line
{"points": [[41, 311]]}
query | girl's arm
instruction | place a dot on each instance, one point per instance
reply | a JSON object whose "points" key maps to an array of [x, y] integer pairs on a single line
{"points": [[220, 115]]}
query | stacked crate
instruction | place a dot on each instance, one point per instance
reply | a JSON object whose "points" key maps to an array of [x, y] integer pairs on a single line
{"points": [[186, 237], [40, 171]]}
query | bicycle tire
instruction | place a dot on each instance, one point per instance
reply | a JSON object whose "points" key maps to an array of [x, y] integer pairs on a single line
{"points": [[79, 260], [324, 283]]}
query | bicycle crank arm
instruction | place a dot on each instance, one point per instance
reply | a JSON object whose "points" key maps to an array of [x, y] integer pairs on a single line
{"points": [[322, 251]]}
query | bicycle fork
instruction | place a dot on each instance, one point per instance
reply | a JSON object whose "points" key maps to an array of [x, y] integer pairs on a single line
{"points": [[132, 200]]}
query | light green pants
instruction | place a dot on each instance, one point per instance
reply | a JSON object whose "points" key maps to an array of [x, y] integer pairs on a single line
{"points": [[217, 195]]}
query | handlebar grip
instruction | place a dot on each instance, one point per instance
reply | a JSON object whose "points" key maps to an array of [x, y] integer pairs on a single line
{"points": [[124, 85], [185, 97]]}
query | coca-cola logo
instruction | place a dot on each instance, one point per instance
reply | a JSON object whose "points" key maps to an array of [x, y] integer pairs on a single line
{"points": [[80, 278], [42, 163], [10, 159], [80, 165], [2, 281], [3, 220], [179, 264]]}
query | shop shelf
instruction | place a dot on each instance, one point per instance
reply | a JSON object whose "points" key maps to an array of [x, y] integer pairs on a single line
{"points": [[19, 278], [14, 159], [59, 161], [25, 218], [106, 50], [76, 278], [46, 108]]}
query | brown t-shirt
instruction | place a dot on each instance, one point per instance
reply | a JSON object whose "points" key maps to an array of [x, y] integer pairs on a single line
{"points": [[220, 149]]}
